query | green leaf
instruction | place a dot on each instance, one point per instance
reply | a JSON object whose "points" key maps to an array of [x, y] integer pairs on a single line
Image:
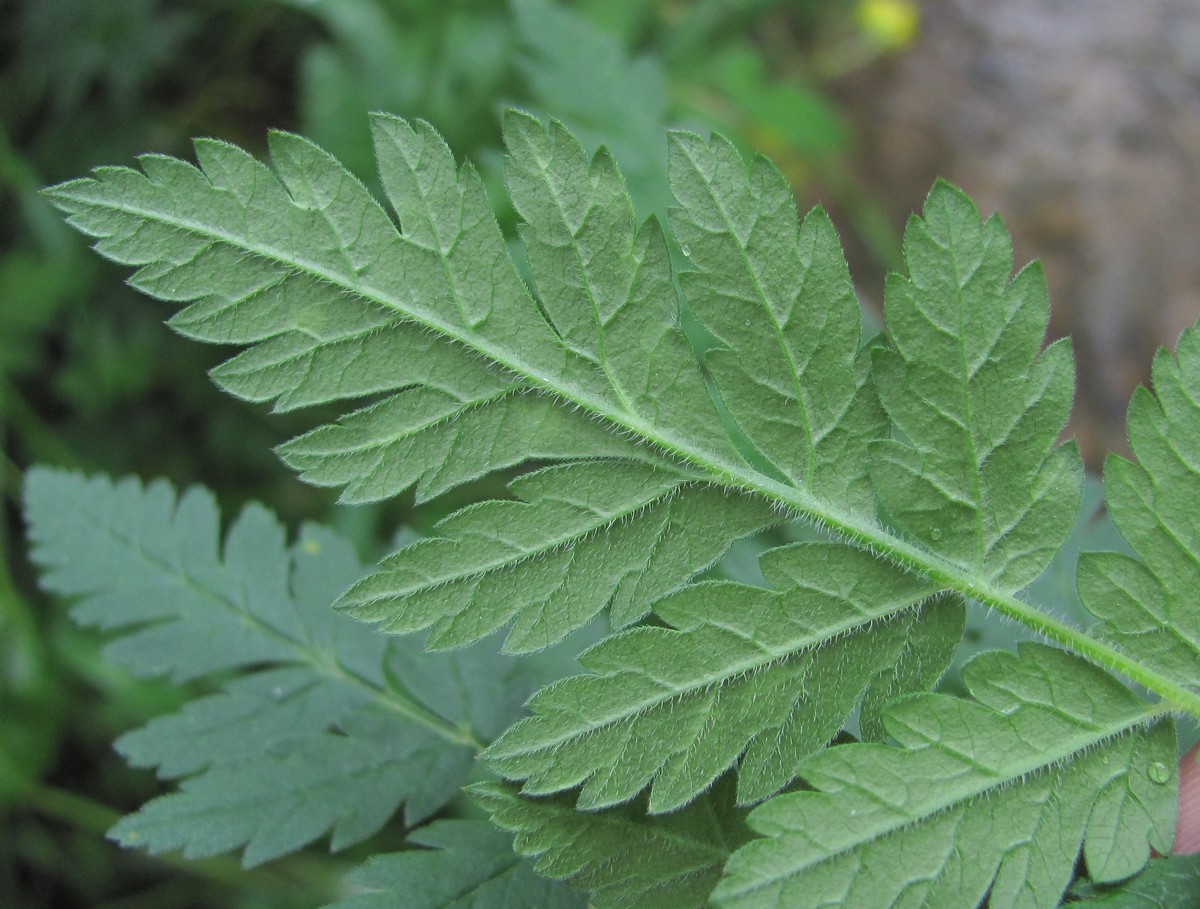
{"points": [[1167, 883], [264, 255], [607, 96], [151, 565], [626, 859], [466, 864], [780, 303], [331, 728], [1148, 604], [927, 460], [743, 676], [992, 796], [579, 538], [973, 472]]}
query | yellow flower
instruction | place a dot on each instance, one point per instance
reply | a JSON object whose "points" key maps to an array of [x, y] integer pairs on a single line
{"points": [[889, 24]]}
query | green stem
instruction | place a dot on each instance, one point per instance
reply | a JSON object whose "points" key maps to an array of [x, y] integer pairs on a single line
{"points": [[10, 478], [16, 607], [853, 528], [952, 577], [71, 808], [559, 380], [42, 440]]}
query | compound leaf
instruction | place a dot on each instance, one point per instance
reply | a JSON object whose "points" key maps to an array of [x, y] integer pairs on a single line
{"points": [[990, 796], [326, 731], [743, 676], [930, 456]]}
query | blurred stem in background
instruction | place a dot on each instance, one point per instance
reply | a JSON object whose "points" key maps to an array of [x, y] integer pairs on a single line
{"points": [[299, 879]]}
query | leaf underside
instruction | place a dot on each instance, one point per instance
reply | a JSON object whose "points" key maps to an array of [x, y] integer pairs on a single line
{"points": [[930, 458], [628, 860], [994, 795]]}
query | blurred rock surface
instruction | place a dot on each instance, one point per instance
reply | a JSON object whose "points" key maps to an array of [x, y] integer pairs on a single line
{"points": [[1080, 122]]}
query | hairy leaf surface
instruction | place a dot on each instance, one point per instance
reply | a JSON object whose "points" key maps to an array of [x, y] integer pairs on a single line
{"points": [[743, 676], [627, 859], [992, 795], [928, 460], [1148, 604], [265, 254]]}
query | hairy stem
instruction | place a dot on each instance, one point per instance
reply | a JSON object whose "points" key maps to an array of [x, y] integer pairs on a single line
{"points": [[859, 530]]}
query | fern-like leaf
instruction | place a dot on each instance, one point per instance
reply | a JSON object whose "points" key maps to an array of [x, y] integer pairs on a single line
{"points": [[930, 458], [743, 675], [334, 726], [991, 797]]}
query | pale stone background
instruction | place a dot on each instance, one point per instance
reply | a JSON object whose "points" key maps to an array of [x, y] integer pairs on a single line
{"points": [[1080, 123]]}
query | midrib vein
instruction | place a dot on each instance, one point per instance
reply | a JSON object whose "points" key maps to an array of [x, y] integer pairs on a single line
{"points": [[859, 530], [1087, 737]]}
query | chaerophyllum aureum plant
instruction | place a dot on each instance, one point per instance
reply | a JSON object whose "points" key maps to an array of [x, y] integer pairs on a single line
{"points": [[768, 745]]}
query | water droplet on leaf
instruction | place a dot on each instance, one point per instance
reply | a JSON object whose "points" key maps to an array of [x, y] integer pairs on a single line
{"points": [[1159, 773], [935, 534]]}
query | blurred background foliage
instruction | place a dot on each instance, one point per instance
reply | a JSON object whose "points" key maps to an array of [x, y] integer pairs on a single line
{"points": [[91, 379]]}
